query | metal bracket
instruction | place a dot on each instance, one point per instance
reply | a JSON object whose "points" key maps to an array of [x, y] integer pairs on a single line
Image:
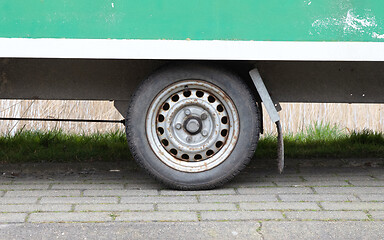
{"points": [[272, 109]]}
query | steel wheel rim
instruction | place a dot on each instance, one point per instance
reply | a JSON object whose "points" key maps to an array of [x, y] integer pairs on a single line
{"points": [[192, 126]]}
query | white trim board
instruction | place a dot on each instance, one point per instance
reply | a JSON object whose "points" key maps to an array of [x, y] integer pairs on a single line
{"points": [[190, 49]]}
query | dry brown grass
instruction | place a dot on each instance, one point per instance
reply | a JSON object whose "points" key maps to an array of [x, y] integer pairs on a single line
{"points": [[59, 109], [295, 116]]}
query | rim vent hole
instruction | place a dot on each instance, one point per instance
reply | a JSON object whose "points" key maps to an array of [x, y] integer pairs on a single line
{"points": [[165, 142], [199, 94], [175, 98], [219, 144], [187, 93], [166, 106], [173, 151], [210, 152], [224, 120], [211, 99], [224, 132]]}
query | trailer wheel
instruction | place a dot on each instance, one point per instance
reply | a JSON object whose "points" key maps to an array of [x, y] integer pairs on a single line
{"points": [[193, 126]]}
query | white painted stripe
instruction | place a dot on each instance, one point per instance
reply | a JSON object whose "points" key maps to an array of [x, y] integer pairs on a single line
{"points": [[184, 49]]}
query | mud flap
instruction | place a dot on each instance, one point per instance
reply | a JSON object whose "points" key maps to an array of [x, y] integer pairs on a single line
{"points": [[272, 110]]}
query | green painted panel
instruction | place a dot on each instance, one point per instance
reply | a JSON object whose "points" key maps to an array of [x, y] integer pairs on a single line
{"points": [[258, 20]]}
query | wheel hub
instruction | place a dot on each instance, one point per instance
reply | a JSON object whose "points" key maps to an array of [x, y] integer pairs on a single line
{"points": [[193, 125]]}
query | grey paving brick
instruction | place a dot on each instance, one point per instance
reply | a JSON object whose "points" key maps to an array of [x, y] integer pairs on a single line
{"points": [[317, 197], [87, 186], [160, 199], [313, 183], [326, 215], [238, 198], [338, 178], [116, 192], [78, 200], [249, 176], [5, 181], [35, 207], [12, 217], [379, 176], [334, 170], [24, 186], [205, 192], [196, 207], [379, 171], [275, 190], [349, 190], [284, 179], [240, 215], [371, 183], [288, 183], [34, 181], [143, 186], [70, 217], [353, 171], [18, 200], [114, 207], [280, 206], [288, 172], [136, 175], [377, 215], [322, 230], [353, 205], [372, 197], [157, 216], [312, 173], [240, 184], [103, 181], [41, 193]]}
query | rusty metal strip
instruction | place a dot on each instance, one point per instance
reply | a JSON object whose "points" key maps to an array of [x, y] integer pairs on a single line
{"points": [[272, 110]]}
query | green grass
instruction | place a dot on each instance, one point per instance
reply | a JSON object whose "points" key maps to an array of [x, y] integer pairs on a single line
{"points": [[56, 146], [323, 140], [316, 141]]}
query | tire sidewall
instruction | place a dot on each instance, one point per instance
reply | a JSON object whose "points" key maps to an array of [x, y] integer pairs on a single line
{"points": [[233, 86]]}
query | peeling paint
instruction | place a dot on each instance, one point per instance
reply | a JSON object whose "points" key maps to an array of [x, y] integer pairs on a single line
{"points": [[356, 22], [308, 2], [325, 23], [351, 23], [376, 35]]}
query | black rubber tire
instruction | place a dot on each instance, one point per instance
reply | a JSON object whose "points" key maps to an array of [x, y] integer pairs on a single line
{"points": [[246, 144]]}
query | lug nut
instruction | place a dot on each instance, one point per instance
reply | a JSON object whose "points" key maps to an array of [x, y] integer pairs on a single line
{"points": [[187, 112], [204, 116], [204, 133], [178, 126], [189, 139]]}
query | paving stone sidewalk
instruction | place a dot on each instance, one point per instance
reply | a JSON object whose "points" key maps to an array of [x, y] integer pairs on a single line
{"points": [[314, 193], [306, 193]]}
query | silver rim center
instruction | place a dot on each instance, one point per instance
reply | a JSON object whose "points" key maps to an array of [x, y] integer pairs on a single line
{"points": [[192, 126]]}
